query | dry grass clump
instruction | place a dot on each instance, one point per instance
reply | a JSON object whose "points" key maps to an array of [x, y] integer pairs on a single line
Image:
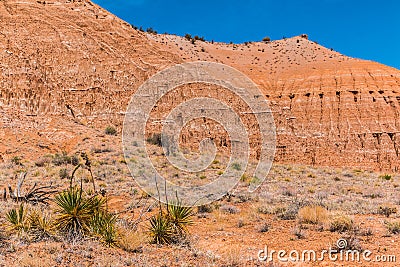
{"points": [[313, 214], [229, 209], [393, 227], [387, 210], [131, 241], [341, 224]]}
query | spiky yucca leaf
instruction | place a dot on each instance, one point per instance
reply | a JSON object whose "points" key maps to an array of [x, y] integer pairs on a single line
{"points": [[180, 217], [161, 230], [41, 226], [75, 210]]}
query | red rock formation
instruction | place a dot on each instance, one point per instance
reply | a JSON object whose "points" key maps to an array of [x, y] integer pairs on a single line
{"points": [[69, 67]]}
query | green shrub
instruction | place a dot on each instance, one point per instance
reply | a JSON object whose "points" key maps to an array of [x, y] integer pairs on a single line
{"points": [[236, 166], [386, 177], [16, 160], [61, 159], [266, 39], [155, 139], [64, 173], [110, 130], [180, 217]]}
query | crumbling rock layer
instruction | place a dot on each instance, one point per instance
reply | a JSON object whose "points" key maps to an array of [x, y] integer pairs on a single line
{"points": [[69, 68]]}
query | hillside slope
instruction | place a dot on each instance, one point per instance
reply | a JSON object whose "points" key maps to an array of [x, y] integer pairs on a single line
{"points": [[69, 68]]}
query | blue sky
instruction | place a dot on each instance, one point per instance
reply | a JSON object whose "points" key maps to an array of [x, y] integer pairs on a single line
{"points": [[367, 29]]}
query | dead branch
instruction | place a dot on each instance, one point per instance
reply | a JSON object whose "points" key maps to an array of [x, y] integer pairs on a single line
{"points": [[35, 195]]}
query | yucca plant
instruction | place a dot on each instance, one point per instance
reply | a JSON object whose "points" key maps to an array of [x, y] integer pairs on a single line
{"points": [[161, 230], [103, 225], [17, 220], [75, 211], [180, 217]]}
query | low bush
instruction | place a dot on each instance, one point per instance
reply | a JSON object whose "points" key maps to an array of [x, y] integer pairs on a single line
{"points": [[110, 130], [313, 214], [341, 224]]}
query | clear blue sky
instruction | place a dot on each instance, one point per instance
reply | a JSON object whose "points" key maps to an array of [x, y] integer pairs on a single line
{"points": [[366, 29]]}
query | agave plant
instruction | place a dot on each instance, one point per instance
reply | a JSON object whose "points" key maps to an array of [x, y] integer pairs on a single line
{"points": [[17, 220], [75, 211], [161, 230]]}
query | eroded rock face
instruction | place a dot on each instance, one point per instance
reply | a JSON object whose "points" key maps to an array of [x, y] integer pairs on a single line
{"points": [[69, 68]]}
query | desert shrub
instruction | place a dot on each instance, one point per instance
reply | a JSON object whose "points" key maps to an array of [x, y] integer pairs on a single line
{"points": [[150, 30], [373, 194], [16, 160], [64, 173], [74, 160], [352, 243], [263, 228], [236, 166], [41, 162], [155, 139], [61, 159], [341, 224], [110, 130], [312, 214], [17, 220], [266, 39], [229, 209], [264, 209], [205, 208], [240, 223], [386, 177], [131, 241], [393, 227], [188, 37], [298, 232], [199, 38], [387, 210], [290, 212]]}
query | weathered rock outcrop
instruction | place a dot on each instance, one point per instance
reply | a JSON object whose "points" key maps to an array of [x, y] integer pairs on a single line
{"points": [[69, 67]]}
